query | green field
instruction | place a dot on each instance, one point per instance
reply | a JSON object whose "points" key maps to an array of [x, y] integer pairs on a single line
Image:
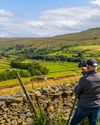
{"points": [[62, 53], [56, 70], [13, 82], [4, 64], [59, 53], [84, 45], [59, 69]]}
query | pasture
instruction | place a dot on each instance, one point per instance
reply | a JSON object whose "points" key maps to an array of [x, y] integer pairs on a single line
{"points": [[56, 70]]}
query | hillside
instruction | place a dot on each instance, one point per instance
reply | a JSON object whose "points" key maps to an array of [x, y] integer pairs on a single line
{"points": [[91, 35], [58, 55]]}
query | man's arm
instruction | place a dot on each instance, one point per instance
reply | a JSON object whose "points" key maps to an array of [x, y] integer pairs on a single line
{"points": [[79, 87]]}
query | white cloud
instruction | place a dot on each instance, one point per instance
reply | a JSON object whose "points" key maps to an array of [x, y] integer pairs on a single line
{"points": [[4, 13], [51, 22], [66, 20], [96, 2], [35, 24]]}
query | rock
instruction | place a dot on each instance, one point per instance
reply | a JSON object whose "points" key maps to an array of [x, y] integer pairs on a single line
{"points": [[9, 123], [1, 118], [37, 93], [19, 120], [14, 104], [5, 116], [2, 121], [51, 109], [6, 109], [24, 123], [53, 100], [8, 120], [14, 122], [2, 103], [29, 114], [29, 121], [22, 116], [70, 105]]}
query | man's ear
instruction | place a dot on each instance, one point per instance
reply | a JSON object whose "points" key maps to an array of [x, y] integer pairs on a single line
{"points": [[87, 67]]}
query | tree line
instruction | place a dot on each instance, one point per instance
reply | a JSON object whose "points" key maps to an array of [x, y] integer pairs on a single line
{"points": [[25, 70], [56, 58]]}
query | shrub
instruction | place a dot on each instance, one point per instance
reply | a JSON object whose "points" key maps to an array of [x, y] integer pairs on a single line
{"points": [[7, 75], [12, 74], [24, 73], [3, 76], [33, 68]]}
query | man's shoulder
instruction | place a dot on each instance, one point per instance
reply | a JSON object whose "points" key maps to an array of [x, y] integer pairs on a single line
{"points": [[98, 74], [83, 78], [93, 76]]}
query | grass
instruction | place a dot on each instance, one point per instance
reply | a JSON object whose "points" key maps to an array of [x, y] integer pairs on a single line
{"points": [[62, 53], [90, 47], [59, 66], [61, 69], [57, 70], [87, 37], [61, 74], [2, 70], [45, 120], [51, 82], [89, 51], [4, 64], [86, 48], [13, 82], [54, 67], [83, 41]]}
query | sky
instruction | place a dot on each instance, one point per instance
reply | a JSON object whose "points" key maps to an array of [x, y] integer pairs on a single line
{"points": [[43, 18]]}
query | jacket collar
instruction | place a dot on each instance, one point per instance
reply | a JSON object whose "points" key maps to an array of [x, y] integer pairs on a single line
{"points": [[91, 72]]}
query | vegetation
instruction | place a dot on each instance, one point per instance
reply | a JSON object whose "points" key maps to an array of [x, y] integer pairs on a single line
{"points": [[25, 70], [43, 119], [54, 57]]}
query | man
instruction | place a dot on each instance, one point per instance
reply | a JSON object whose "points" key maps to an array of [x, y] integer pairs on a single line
{"points": [[83, 67], [88, 92]]}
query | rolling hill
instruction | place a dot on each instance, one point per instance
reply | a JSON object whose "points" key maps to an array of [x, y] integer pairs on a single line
{"points": [[60, 54], [88, 37]]}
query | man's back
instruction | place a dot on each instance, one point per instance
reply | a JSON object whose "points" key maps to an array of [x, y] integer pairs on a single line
{"points": [[89, 90]]}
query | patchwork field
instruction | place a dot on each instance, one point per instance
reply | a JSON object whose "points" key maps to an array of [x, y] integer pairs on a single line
{"points": [[59, 54], [56, 70]]}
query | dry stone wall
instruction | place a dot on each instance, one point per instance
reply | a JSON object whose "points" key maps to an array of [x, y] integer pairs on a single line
{"points": [[15, 110]]}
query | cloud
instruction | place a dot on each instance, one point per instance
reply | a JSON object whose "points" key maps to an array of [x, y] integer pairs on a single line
{"points": [[4, 13], [12, 25], [96, 2], [66, 20], [50, 22]]}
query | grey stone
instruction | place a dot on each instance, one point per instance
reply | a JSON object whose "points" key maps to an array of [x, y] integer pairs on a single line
{"points": [[29, 114]]}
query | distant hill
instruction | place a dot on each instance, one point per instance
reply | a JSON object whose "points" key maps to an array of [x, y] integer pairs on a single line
{"points": [[90, 36]]}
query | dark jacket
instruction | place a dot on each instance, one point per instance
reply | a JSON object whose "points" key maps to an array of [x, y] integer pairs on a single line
{"points": [[88, 90]]}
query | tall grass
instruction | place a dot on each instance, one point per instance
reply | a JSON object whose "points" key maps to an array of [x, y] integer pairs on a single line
{"points": [[46, 120], [43, 118]]}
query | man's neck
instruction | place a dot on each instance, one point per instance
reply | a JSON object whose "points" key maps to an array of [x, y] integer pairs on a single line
{"points": [[91, 72]]}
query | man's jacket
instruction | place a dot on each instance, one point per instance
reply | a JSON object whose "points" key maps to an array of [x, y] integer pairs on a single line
{"points": [[88, 90]]}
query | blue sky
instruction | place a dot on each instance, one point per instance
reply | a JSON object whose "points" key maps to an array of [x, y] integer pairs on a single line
{"points": [[40, 18], [33, 8]]}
